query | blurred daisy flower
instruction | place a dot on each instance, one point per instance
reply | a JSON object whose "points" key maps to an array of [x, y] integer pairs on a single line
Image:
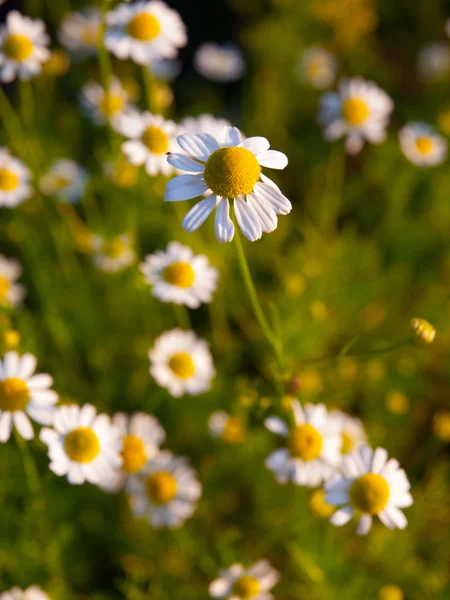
{"points": [[83, 446], [433, 61], [317, 67], [228, 170], [101, 106], [80, 32], [11, 293], [317, 505], [121, 172], [177, 275], [113, 255], [222, 425], [422, 145], [141, 436], [24, 395], [58, 64], [238, 582], [312, 450], [390, 592], [14, 180], [23, 47], [351, 429], [220, 63], [182, 363], [66, 180], [372, 485], [165, 69], [34, 592], [144, 32], [165, 492], [360, 110], [151, 137], [204, 124]]}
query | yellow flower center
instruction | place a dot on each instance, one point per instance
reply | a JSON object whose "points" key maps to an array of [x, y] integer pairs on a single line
{"points": [[61, 182], [156, 140], [370, 493], [347, 443], [246, 587], [114, 248], [4, 288], [424, 145], [180, 274], [182, 365], [305, 442], [133, 454], [14, 394], [230, 172], [111, 104], [233, 431], [18, 47], [390, 592], [316, 67], [144, 27], [91, 35], [355, 111], [82, 445], [8, 180], [318, 506], [161, 487]]}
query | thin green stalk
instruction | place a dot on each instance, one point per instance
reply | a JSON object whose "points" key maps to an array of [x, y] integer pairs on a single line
{"points": [[148, 85], [12, 124], [182, 315]]}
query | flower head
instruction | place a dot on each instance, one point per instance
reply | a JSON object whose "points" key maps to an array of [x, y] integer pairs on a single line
{"points": [[14, 180], [422, 145], [239, 583], [433, 61], [34, 592], [317, 67], [220, 63], [351, 430], [66, 180], [80, 32], [227, 427], [101, 106], [114, 254], [11, 293]]}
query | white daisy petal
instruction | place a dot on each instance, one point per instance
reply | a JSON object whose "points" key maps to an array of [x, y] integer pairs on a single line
{"points": [[272, 159], [248, 220], [256, 145], [23, 425], [224, 226], [199, 213], [185, 163]]}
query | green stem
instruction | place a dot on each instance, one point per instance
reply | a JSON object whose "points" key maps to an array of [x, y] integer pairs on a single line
{"points": [[12, 124], [148, 84], [182, 315]]}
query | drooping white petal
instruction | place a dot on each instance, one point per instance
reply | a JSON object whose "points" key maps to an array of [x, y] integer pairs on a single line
{"points": [[27, 366], [186, 192], [5, 426], [199, 213], [276, 425], [273, 195], [364, 525], [224, 226], [23, 425], [185, 163], [342, 516], [247, 220], [272, 159], [265, 212]]}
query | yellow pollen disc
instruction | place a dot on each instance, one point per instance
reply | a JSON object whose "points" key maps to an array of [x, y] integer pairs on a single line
{"points": [[90, 36], [14, 394], [246, 587], [424, 145], [180, 274], [61, 182], [230, 172], [355, 111], [347, 443], [305, 442], [318, 506], [133, 454], [370, 493], [316, 68], [161, 487], [4, 288], [114, 248], [156, 140], [82, 445], [233, 431], [8, 180], [144, 27], [18, 47], [182, 365], [111, 104]]}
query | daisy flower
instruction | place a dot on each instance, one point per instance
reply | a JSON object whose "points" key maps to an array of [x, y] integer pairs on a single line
{"points": [[219, 63], [228, 169], [114, 254], [433, 61], [80, 32], [165, 492], [204, 123], [360, 110], [182, 363], [151, 137], [34, 592], [177, 275], [317, 67], [66, 180], [23, 47], [422, 145], [83, 446], [313, 445], [11, 293], [222, 425], [144, 32], [24, 395], [101, 106], [253, 583], [14, 180], [351, 430], [372, 485]]}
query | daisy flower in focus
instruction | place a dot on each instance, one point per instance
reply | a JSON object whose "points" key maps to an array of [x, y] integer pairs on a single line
{"points": [[229, 169], [372, 485], [24, 395], [34, 592], [66, 180], [313, 445], [23, 47], [222, 425], [220, 63], [14, 180], [204, 124], [317, 67], [182, 363], [11, 293], [360, 111], [83, 446], [433, 61], [351, 430], [80, 32], [114, 254], [422, 145], [151, 137], [165, 492], [177, 275], [101, 106], [144, 32], [253, 583], [141, 436]]}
